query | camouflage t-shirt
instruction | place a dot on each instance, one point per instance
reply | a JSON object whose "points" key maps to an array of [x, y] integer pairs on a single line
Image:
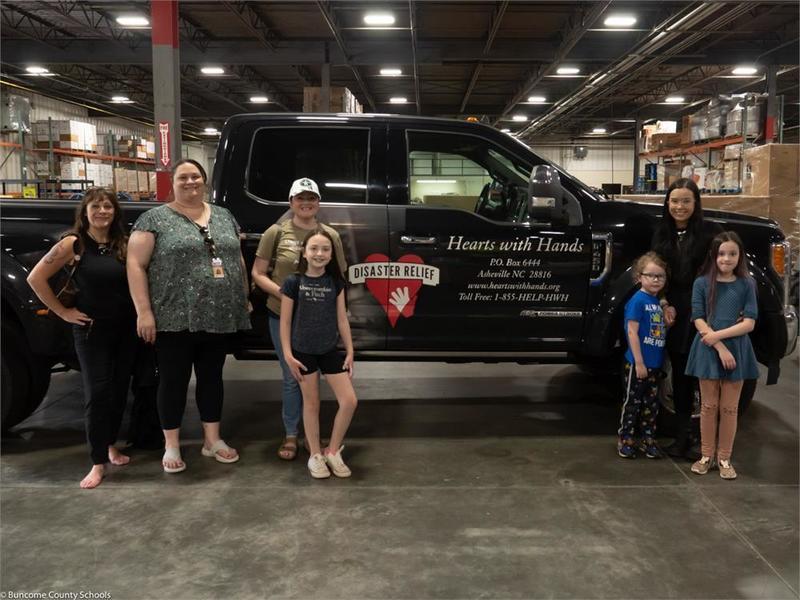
{"points": [[287, 253]]}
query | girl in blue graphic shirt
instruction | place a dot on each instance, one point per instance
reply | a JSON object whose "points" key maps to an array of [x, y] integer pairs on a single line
{"points": [[313, 317], [646, 334]]}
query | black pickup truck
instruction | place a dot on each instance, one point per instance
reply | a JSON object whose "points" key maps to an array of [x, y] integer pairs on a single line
{"points": [[462, 245]]}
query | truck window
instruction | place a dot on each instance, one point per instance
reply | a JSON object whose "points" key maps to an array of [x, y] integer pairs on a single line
{"points": [[336, 158], [465, 172]]}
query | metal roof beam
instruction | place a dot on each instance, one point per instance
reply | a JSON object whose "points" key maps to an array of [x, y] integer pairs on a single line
{"points": [[666, 40], [496, 19], [330, 20], [253, 21], [571, 38], [412, 22], [37, 28]]}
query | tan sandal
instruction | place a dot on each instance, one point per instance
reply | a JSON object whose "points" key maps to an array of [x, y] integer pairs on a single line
{"points": [[288, 448]]}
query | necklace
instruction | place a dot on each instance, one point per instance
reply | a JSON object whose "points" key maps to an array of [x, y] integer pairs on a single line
{"points": [[102, 247]]}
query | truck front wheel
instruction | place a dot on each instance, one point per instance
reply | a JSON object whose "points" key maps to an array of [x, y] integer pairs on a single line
{"points": [[25, 379]]}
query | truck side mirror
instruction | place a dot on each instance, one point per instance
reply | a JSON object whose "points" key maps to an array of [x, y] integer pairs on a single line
{"points": [[546, 199]]}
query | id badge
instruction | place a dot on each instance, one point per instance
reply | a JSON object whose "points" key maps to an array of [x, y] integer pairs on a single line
{"points": [[216, 268]]}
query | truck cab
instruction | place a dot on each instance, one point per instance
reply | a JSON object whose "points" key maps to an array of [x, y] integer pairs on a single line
{"points": [[462, 244]]}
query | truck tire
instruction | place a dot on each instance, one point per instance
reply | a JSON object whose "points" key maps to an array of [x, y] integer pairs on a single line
{"points": [[25, 379]]}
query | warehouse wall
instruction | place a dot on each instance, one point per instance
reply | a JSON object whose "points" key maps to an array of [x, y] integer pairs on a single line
{"points": [[607, 162], [43, 107]]}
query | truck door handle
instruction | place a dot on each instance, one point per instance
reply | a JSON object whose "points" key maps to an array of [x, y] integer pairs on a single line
{"points": [[419, 241]]}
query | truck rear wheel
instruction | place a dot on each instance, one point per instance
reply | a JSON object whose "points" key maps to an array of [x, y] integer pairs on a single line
{"points": [[25, 379]]}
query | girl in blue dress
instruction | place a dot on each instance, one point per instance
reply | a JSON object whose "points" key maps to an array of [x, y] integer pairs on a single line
{"points": [[724, 311]]}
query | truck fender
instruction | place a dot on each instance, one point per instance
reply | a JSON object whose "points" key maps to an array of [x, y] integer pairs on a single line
{"points": [[603, 331]]}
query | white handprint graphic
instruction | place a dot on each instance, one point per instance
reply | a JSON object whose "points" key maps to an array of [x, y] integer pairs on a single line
{"points": [[400, 298]]}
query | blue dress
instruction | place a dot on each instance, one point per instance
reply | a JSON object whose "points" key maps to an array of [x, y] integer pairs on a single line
{"points": [[734, 299]]}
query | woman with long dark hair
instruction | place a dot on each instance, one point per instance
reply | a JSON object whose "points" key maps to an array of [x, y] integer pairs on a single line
{"points": [[103, 319], [682, 239]]}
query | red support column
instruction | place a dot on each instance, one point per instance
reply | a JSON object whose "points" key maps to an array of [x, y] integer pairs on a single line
{"points": [[166, 91]]}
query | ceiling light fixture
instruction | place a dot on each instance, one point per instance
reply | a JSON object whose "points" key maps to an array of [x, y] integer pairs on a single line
{"points": [[519, 118], [398, 100], [378, 19], [744, 70], [391, 72], [536, 99], [210, 131], [599, 130], [133, 21], [568, 70], [619, 21], [121, 100], [212, 70], [34, 70], [675, 100], [259, 99], [505, 130]]}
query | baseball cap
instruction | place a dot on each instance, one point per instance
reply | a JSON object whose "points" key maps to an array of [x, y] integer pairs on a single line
{"points": [[303, 184]]}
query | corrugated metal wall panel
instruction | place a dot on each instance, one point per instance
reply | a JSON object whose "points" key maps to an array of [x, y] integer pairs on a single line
{"points": [[605, 163]]}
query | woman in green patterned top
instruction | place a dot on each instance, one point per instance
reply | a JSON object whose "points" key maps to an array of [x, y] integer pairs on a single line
{"points": [[188, 282]]}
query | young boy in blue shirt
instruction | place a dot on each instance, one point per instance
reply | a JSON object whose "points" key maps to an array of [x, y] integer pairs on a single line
{"points": [[646, 333]]}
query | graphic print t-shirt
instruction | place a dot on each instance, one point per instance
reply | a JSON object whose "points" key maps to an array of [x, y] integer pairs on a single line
{"points": [[314, 326], [646, 310]]}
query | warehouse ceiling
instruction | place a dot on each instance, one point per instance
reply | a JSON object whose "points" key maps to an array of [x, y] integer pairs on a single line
{"points": [[457, 59]]}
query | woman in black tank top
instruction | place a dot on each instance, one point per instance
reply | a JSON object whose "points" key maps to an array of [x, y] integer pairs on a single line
{"points": [[103, 319]]}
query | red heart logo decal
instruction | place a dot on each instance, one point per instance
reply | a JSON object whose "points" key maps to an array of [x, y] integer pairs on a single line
{"points": [[396, 296]]}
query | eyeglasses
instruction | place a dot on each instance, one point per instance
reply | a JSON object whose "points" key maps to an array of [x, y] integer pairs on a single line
{"points": [[655, 276], [208, 240]]}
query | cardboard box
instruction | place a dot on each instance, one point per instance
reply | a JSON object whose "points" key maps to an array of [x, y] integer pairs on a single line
{"points": [[72, 169], [65, 135], [142, 181], [731, 177], [120, 180], [714, 179], [686, 130], [735, 117], [661, 141], [772, 170], [342, 100], [666, 127], [132, 179]]}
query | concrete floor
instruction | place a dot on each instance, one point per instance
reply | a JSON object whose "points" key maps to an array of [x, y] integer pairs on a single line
{"points": [[470, 481]]}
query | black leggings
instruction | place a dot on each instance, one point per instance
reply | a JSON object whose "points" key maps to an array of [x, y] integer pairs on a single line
{"points": [[683, 386], [106, 351], [177, 353]]}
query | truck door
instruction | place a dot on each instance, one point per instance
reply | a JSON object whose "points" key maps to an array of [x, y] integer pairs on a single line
{"points": [[477, 264], [346, 161]]}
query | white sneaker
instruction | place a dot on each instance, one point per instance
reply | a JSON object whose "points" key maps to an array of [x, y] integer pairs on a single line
{"points": [[317, 467], [337, 465]]}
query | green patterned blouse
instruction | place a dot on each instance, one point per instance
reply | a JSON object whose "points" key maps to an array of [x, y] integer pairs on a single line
{"points": [[184, 293]]}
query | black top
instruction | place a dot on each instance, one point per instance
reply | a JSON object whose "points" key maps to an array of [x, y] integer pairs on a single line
{"points": [[102, 283], [315, 329], [685, 255]]}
